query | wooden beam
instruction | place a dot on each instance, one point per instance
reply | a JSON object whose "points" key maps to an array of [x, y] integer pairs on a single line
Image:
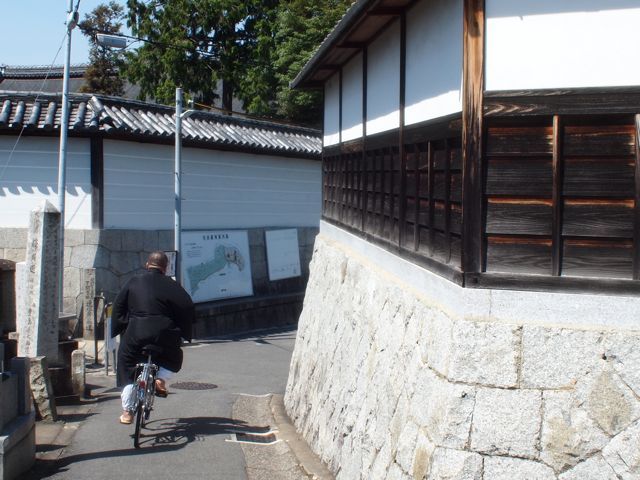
{"points": [[472, 132], [365, 198], [636, 222], [386, 11], [402, 210], [557, 199], [97, 182], [356, 45]]}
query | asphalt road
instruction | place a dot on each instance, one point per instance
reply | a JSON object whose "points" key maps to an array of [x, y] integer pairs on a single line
{"points": [[188, 433]]}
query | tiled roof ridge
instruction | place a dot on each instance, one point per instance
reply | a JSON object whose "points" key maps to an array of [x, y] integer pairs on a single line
{"points": [[39, 71], [142, 120], [112, 101]]}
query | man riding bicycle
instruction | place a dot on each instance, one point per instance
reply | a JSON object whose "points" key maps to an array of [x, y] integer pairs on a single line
{"points": [[151, 309]]}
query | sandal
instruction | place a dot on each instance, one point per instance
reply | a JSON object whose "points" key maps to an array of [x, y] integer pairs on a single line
{"points": [[161, 389], [126, 418]]}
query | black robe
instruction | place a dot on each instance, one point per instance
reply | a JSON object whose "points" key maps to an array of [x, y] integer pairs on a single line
{"points": [[151, 309]]}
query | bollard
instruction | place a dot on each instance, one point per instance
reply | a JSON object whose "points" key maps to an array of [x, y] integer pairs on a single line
{"points": [[78, 372]]}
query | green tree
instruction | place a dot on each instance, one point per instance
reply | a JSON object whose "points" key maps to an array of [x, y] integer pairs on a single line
{"points": [[194, 44], [103, 73], [301, 26]]}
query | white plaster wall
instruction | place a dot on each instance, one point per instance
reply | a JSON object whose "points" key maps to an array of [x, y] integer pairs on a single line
{"points": [[220, 189], [332, 111], [534, 44], [29, 176], [352, 99], [383, 81], [434, 60]]}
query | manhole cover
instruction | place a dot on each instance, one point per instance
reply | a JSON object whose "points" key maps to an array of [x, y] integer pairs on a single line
{"points": [[194, 386], [264, 439]]}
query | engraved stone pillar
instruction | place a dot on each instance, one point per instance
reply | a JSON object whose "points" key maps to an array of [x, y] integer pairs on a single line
{"points": [[38, 334], [78, 372], [88, 303]]}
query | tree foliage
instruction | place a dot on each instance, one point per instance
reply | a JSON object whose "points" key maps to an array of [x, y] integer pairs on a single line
{"points": [[253, 47], [103, 73]]}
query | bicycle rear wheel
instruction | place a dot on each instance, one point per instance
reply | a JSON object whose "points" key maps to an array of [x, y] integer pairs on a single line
{"points": [[139, 420]]}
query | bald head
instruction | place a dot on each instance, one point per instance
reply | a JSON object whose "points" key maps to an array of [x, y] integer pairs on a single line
{"points": [[157, 260]]}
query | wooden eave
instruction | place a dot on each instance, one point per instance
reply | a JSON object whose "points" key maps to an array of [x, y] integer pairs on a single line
{"points": [[359, 26]]}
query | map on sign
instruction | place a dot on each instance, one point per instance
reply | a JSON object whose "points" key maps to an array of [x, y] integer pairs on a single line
{"points": [[216, 264]]}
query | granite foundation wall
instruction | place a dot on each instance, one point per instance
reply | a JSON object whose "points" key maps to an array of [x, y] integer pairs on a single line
{"points": [[399, 374], [117, 255]]}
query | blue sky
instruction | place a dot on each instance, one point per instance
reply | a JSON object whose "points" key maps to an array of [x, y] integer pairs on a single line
{"points": [[33, 30]]}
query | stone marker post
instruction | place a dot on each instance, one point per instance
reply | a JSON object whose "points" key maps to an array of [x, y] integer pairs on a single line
{"points": [[78, 372], [88, 303], [42, 389], [38, 334]]}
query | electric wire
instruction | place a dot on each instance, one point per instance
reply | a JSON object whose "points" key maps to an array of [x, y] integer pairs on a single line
{"points": [[24, 126]]}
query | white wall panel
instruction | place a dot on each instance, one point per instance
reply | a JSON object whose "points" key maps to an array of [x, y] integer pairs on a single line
{"points": [[332, 111], [434, 60], [352, 99], [29, 176], [220, 189], [383, 81], [534, 44]]}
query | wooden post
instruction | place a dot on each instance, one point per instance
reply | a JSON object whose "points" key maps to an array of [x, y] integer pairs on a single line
{"points": [[472, 104], [97, 182], [636, 217], [556, 235], [402, 194]]}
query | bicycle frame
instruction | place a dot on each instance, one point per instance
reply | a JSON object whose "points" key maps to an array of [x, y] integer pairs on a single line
{"points": [[145, 389]]}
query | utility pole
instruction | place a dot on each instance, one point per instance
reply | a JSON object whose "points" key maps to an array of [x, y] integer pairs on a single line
{"points": [[72, 21]]}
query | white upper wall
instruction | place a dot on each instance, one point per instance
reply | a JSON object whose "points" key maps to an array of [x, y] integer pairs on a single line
{"points": [[220, 189], [30, 176], [434, 60], [383, 81], [352, 99], [533, 44], [332, 111]]}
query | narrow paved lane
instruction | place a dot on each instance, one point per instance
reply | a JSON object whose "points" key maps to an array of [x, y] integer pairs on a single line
{"points": [[187, 434]]}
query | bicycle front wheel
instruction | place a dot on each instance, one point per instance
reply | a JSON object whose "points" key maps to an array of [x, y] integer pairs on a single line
{"points": [[139, 420]]}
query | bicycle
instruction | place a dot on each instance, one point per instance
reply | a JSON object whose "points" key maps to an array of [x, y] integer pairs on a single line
{"points": [[145, 390]]}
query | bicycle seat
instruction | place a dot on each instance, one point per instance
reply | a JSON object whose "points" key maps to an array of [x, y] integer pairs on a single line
{"points": [[151, 350]]}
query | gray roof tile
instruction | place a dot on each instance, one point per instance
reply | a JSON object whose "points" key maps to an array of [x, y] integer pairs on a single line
{"points": [[146, 121]]}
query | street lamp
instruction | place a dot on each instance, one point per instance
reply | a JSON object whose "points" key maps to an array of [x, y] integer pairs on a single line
{"points": [[72, 21], [177, 231]]}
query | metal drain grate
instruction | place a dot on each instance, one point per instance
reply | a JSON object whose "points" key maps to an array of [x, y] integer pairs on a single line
{"points": [[256, 438], [194, 386]]}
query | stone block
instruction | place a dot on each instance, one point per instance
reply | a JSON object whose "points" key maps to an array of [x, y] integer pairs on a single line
{"points": [[72, 282], [126, 262], [18, 447], [623, 453], [133, 240], [150, 240], [622, 350], [166, 239], [256, 237], [608, 400], [1, 253], [506, 422], [422, 455], [13, 238], [15, 254], [485, 353], [569, 435], [68, 251], [450, 464], [88, 303], [41, 389], [8, 398], [436, 342], [443, 409], [557, 358], [73, 238], [505, 468], [594, 468], [20, 366], [90, 256]]}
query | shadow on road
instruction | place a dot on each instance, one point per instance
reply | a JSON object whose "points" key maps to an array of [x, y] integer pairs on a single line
{"points": [[158, 436]]}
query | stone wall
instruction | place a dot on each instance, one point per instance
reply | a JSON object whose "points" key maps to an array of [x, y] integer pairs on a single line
{"points": [[116, 255], [399, 374]]}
